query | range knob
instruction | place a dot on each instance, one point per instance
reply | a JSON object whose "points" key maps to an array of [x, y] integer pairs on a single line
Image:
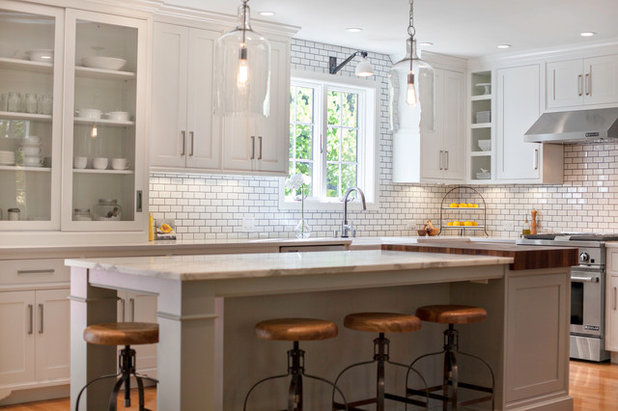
{"points": [[584, 257]]}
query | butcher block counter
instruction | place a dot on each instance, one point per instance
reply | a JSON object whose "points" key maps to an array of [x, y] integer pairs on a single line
{"points": [[524, 257]]}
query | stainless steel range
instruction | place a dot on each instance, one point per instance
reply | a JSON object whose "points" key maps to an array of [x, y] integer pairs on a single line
{"points": [[587, 290]]}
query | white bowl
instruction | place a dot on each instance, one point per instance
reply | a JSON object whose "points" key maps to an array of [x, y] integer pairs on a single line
{"points": [[118, 116], [484, 145], [42, 56], [105, 63], [89, 113], [100, 163]]}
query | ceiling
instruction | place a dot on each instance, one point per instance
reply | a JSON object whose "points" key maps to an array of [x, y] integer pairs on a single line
{"points": [[465, 28]]}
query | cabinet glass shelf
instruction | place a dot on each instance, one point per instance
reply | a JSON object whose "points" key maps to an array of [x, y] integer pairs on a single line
{"points": [[11, 115], [19, 64], [481, 98], [103, 122], [88, 72], [480, 153], [94, 171], [21, 168], [481, 125]]}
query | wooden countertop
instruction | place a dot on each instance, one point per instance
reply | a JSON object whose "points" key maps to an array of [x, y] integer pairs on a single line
{"points": [[524, 257]]}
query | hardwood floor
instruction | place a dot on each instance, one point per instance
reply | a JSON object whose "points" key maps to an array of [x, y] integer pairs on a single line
{"points": [[594, 387]]}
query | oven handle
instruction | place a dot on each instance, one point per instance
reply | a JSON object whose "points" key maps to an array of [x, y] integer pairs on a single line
{"points": [[584, 279]]}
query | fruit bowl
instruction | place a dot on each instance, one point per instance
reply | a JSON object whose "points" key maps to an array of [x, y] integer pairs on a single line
{"points": [[105, 63]]}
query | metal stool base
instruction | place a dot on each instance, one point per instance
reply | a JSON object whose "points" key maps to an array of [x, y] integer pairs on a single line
{"points": [[126, 364], [450, 377], [381, 356], [296, 369]]}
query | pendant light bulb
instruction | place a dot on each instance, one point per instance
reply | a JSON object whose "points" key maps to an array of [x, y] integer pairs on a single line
{"points": [[242, 74], [411, 96]]}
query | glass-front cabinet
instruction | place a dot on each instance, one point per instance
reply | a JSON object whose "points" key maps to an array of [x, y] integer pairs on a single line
{"points": [[31, 67], [104, 123]]}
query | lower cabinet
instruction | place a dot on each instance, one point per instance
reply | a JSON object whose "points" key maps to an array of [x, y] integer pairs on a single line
{"points": [[611, 301], [134, 307], [34, 337]]}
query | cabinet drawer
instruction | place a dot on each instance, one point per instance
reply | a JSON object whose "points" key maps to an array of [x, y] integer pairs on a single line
{"points": [[612, 261], [33, 271]]}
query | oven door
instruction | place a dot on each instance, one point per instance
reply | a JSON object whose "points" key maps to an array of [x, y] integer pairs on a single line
{"points": [[587, 301]]}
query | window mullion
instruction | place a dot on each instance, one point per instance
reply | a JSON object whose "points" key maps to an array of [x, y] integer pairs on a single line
{"points": [[323, 139]]}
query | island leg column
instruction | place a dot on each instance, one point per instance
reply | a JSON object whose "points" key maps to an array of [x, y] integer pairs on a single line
{"points": [[90, 305], [190, 350]]}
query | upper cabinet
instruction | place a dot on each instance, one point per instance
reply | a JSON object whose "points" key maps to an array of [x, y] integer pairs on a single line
{"points": [[518, 107], [578, 82], [31, 66], [185, 133], [106, 63], [438, 155]]}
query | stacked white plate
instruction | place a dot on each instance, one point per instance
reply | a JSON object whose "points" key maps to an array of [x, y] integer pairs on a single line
{"points": [[7, 158], [30, 151]]}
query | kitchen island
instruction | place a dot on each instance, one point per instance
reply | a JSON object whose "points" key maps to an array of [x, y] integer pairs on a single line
{"points": [[207, 306]]}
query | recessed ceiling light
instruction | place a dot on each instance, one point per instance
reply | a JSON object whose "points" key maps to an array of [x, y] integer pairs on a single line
{"points": [[588, 34], [504, 46], [266, 13], [353, 29], [425, 44]]}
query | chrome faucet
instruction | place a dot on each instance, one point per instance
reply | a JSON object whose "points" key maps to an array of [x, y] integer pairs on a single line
{"points": [[347, 229]]}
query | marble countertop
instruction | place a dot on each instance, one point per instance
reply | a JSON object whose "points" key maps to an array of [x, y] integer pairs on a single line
{"points": [[224, 267]]}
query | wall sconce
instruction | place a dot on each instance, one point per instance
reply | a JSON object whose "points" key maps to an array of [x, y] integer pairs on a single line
{"points": [[363, 69]]}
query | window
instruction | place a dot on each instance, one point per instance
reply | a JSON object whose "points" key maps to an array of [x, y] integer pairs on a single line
{"points": [[332, 137]]}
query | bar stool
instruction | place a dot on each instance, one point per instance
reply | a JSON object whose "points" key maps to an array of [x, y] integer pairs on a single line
{"points": [[295, 330], [451, 315], [380, 323], [126, 334]]}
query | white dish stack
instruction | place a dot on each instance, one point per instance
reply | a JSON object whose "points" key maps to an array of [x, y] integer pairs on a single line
{"points": [[30, 152], [7, 158]]}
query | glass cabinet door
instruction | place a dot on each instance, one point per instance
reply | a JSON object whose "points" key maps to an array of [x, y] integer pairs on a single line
{"points": [[31, 50], [105, 158]]}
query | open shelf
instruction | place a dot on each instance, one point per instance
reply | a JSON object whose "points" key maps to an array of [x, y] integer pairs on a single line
{"points": [[19, 64], [103, 122], [89, 72], [11, 115], [463, 208], [22, 168], [481, 98], [480, 153], [464, 227], [481, 125], [94, 171]]}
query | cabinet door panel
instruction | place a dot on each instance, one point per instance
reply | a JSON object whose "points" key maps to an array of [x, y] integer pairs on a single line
{"points": [[602, 80], [239, 146], [565, 84], [203, 139], [453, 125], [53, 335], [273, 132], [169, 95], [143, 308], [611, 314], [432, 153], [518, 108], [16, 337]]}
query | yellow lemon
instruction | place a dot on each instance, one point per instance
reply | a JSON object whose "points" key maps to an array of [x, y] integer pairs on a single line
{"points": [[449, 224], [454, 205], [468, 223], [469, 205], [165, 228], [474, 223], [475, 205], [463, 205], [456, 223]]}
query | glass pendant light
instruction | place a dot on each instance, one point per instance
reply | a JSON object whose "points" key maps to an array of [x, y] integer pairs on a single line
{"points": [[242, 70]]}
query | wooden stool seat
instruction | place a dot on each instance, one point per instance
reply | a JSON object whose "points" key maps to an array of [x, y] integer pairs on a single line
{"points": [[296, 329], [382, 322], [122, 333], [451, 314]]}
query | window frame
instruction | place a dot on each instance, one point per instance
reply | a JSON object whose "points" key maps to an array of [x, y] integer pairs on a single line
{"points": [[367, 149]]}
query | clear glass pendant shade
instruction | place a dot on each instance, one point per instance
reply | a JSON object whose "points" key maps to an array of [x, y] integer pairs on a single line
{"points": [[242, 71], [421, 73]]}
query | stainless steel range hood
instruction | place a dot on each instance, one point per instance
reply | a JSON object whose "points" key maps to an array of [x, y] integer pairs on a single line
{"points": [[574, 126]]}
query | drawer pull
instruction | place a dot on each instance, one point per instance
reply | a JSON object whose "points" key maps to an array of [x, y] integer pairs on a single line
{"points": [[44, 271], [41, 310]]}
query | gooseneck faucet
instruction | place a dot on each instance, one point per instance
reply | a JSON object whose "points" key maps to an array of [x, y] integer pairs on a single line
{"points": [[347, 229]]}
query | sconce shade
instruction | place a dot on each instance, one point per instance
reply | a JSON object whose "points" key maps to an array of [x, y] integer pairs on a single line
{"points": [[364, 68]]}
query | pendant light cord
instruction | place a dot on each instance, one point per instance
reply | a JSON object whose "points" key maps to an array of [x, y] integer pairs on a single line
{"points": [[411, 29], [244, 20]]}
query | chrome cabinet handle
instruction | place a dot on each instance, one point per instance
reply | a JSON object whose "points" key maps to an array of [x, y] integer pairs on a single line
{"points": [[138, 201], [31, 318], [614, 298], [183, 134], [584, 279], [579, 85], [260, 150], [252, 147], [132, 308], [587, 84], [192, 134], [440, 160], [590, 81], [123, 318], [41, 310], [43, 271], [536, 159], [446, 158]]}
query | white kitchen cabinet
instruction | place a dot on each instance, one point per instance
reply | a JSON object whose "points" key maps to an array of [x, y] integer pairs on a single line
{"points": [[262, 144], [518, 107], [35, 337], [581, 82], [611, 302], [184, 132], [442, 138], [133, 307]]}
